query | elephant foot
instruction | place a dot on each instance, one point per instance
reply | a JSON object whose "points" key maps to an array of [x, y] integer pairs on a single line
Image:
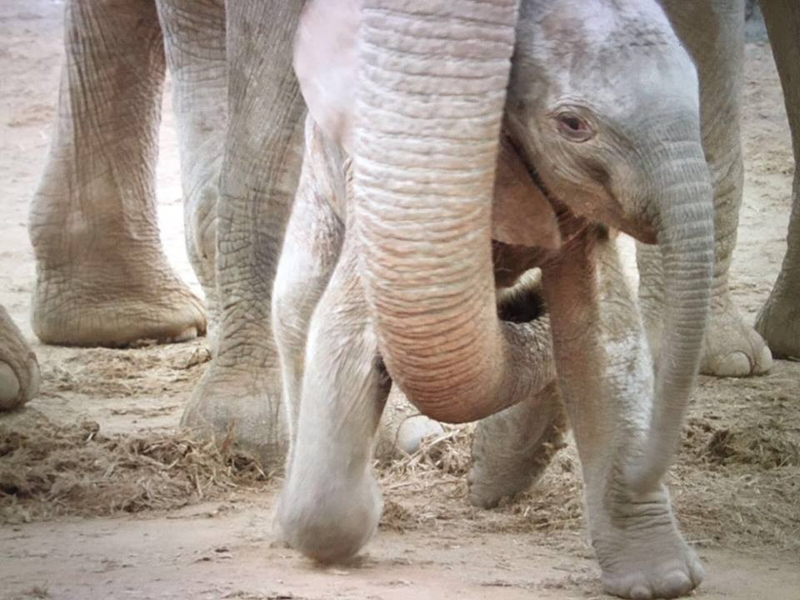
{"points": [[642, 554], [511, 450], [778, 322], [327, 516], [115, 303], [19, 370], [733, 348], [242, 405]]}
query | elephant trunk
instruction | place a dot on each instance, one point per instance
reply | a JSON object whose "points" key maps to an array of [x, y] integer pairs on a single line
{"points": [[685, 222], [431, 96]]}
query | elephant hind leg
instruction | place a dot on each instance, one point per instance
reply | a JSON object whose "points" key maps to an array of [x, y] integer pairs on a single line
{"points": [[262, 155], [779, 319], [102, 276], [511, 449]]}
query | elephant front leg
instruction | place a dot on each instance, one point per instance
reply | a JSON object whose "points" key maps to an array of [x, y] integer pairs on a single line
{"points": [[779, 319], [606, 378], [101, 275], [330, 504], [241, 390], [713, 31]]}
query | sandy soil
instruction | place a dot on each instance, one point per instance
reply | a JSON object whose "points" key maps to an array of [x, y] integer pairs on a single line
{"points": [[131, 511]]}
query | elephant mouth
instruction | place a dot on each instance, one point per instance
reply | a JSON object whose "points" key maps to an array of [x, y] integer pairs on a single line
{"points": [[570, 224]]}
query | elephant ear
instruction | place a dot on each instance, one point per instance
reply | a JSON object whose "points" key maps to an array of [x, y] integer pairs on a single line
{"points": [[325, 64], [521, 214]]}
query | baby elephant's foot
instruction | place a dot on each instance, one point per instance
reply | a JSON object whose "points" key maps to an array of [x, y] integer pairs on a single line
{"points": [[331, 521], [642, 554], [511, 450], [19, 370]]}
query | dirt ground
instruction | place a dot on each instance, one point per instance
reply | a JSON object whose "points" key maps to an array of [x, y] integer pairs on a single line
{"points": [[101, 497]]}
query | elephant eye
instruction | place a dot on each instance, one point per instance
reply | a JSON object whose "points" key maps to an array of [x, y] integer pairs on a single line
{"points": [[574, 128]]}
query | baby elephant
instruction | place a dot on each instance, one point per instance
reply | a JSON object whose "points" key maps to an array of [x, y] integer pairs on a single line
{"points": [[470, 167]]}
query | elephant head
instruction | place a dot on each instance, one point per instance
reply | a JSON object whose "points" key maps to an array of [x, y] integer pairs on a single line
{"points": [[601, 105]]}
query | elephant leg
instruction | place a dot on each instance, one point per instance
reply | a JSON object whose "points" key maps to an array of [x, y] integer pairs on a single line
{"points": [[606, 377], [779, 319], [311, 249], [102, 277], [194, 35], [241, 390], [19, 370], [713, 31], [511, 449], [330, 504]]}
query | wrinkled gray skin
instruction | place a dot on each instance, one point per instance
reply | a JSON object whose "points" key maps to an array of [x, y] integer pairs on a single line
{"points": [[603, 102], [102, 277]]}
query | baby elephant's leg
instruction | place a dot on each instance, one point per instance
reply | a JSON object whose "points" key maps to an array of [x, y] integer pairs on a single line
{"points": [[510, 450], [606, 380], [330, 504], [311, 248]]}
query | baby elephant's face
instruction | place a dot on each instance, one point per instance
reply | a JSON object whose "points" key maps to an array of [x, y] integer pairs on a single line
{"points": [[599, 93]]}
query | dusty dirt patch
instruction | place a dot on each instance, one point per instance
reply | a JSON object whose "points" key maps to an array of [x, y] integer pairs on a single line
{"points": [[735, 488]]}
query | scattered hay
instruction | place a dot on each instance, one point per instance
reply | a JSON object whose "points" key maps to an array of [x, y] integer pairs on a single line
{"points": [[48, 470], [396, 517], [766, 446], [734, 489], [447, 454], [429, 487], [126, 373], [736, 483]]}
